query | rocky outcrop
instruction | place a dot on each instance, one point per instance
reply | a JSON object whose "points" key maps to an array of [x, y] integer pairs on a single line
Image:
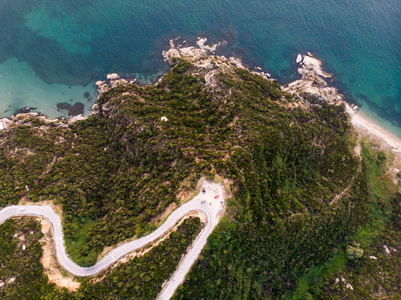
{"points": [[202, 41], [200, 56], [313, 82], [113, 80], [112, 76], [5, 123], [209, 65]]}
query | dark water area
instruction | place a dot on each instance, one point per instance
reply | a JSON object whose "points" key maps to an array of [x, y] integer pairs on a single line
{"points": [[74, 43]]}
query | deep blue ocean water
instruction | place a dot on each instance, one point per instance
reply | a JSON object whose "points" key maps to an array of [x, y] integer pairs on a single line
{"points": [[53, 50]]}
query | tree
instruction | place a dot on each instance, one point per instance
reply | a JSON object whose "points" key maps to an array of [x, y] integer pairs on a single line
{"points": [[354, 252]]}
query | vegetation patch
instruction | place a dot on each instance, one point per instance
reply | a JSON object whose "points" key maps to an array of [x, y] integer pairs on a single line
{"points": [[287, 160], [141, 278]]}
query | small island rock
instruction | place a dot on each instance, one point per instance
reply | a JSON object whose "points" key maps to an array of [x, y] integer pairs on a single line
{"points": [[112, 76]]}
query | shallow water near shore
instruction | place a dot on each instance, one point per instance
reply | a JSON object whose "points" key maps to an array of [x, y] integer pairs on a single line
{"points": [[20, 87], [68, 45]]}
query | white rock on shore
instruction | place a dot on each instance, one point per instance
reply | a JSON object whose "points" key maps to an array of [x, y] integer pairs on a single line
{"points": [[112, 76], [201, 43], [313, 65], [29, 114], [76, 118], [5, 123], [312, 82], [114, 81]]}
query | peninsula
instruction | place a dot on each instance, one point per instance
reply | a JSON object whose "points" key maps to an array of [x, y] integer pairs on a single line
{"points": [[304, 189]]}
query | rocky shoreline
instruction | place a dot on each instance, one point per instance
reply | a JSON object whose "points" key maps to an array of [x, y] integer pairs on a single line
{"points": [[76, 111], [313, 82], [113, 80], [312, 85]]}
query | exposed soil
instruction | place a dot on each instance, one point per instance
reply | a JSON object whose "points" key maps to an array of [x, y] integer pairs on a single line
{"points": [[49, 262]]}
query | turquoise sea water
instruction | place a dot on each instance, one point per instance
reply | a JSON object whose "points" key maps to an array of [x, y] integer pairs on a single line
{"points": [[52, 51]]}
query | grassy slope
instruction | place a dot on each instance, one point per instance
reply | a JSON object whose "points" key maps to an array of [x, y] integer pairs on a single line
{"points": [[370, 278]]}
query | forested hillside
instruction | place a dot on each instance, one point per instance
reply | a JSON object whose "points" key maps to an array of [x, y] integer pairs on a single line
{"points": [[287, 159]]}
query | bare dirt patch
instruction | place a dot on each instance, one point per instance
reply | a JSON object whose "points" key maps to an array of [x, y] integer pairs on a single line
{"points": [[184, 192], [49, 262], [48, 259]]}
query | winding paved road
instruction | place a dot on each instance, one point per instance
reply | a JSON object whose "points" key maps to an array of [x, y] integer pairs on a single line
{"points": [[212, 210]]}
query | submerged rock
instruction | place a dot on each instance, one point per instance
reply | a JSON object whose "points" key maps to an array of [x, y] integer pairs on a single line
{"points": [[73, 110], [77, 109], [24, 110]]}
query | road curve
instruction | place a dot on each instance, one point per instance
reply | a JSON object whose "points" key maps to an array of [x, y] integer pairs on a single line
{"points": [[212, 210]]}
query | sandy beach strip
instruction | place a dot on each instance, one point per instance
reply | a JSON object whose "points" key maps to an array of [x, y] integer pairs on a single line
{"points": [[361, 121]]}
